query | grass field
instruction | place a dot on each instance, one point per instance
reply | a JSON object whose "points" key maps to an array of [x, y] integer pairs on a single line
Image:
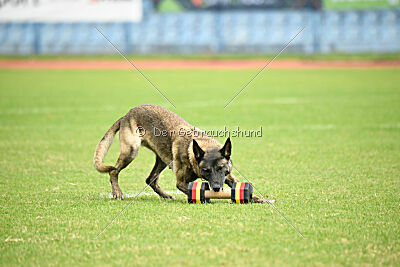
{"points": [[329, 155]]}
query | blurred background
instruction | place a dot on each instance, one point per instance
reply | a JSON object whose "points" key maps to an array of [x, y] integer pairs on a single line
{"points": [[29, 27]]}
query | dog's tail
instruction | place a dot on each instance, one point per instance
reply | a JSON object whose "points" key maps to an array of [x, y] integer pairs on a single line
{"points": [[103, 146]]}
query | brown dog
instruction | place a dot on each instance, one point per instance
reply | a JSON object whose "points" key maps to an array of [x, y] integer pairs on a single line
{"points": [[186, 149]]}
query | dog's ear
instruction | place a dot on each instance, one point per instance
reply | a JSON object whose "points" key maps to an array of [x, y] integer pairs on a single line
{"points": [[198, 152], [226, 150]]}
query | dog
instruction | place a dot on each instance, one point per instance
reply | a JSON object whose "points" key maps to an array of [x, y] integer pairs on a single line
{"points": [[186, 149]]}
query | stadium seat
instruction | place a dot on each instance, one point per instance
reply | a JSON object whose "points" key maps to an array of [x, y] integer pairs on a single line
{"points": [[213, 31]]}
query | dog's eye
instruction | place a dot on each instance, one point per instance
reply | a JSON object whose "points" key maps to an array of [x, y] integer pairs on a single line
{"points": [[226, 173], [206, 170]]}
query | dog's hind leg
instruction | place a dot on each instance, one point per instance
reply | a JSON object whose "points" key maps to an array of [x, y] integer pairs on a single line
{"points": [[152, 180], [130, 143]]}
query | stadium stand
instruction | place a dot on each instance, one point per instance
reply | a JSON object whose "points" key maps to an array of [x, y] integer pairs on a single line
{"points": [[250, 31]]}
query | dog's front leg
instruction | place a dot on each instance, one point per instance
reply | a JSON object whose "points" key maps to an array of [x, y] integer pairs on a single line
{"points": [[181, 178], [230, 179], [183, 186]]}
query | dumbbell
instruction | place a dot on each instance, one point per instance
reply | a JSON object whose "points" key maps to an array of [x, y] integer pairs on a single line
{"points": [[199, 192]]}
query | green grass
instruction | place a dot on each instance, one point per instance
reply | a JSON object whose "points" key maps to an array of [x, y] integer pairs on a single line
{"points": [[329, 156]]}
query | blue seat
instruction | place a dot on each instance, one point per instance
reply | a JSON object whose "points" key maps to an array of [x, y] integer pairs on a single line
{"points": [[332, 18], [389, 17], [258, 19], [4, 30], [258, 35], [369, 18], [135, 33], [27, 41], [370, 34], [207, 19], [351, 18], [47, 36]]}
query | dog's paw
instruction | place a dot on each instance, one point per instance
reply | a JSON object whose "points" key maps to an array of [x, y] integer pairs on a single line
{"points": [[118, 195], [260, 200], [168, 197]]}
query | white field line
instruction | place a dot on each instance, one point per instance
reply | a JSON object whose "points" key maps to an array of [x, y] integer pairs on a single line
{"points": [[319, 127], [170, 192], [390, 126]]}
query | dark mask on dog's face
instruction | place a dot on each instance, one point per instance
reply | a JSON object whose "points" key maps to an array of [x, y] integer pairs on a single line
{"points": [[214, 164]]}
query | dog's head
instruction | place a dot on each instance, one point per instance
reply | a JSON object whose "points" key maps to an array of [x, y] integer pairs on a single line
{"points": [[214, 163]]}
